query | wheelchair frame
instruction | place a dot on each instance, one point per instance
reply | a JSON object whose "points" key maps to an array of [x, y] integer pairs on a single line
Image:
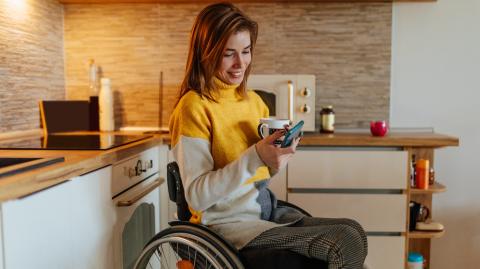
{"points": [[199, 237]]}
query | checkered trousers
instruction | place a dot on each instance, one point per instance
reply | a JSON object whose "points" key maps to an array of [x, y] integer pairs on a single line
{"points": [[340, 242]]}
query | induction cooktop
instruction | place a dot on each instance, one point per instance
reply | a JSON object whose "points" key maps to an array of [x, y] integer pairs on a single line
{"points": [[74, 142]]}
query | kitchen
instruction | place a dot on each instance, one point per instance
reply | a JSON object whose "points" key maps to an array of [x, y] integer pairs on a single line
{"points": [[371, 61]]}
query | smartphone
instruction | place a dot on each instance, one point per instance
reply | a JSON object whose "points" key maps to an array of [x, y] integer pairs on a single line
{"points": [[293, 133]]}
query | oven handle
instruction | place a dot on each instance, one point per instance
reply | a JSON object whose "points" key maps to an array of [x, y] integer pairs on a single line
{"points": [[150, 187], [290, 101]]}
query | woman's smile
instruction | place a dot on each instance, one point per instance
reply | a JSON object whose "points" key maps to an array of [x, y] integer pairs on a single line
{"points": [[236, 58]]}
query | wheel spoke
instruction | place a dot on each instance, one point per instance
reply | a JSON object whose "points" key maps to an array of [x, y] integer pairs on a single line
{"points": [[195, 259], [164, 256]]}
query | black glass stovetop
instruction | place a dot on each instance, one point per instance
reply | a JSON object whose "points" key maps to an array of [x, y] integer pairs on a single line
{"points": [[74, 142]]}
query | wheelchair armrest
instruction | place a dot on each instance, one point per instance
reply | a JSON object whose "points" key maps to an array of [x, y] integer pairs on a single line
{"points": [[176, 191], [287, 204]]}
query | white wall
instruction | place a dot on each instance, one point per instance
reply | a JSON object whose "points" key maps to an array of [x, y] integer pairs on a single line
{"points": [[435, 83]]}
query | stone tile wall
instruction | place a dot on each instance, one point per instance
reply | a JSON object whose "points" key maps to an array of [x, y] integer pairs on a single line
{"points": [[31, 60], [346, 45]]}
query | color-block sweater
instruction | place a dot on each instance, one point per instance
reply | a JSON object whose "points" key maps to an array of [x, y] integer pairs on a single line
{"points": [[224, 178]]}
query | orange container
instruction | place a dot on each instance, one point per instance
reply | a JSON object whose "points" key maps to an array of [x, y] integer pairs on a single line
{"points": [[422, 170], [184, 264]]}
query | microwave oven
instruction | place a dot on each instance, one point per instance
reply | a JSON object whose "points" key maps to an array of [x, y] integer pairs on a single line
{"points": [[287, 96]]}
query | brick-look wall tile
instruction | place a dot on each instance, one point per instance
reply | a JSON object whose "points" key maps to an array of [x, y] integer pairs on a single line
{"points": [[31, 60], [346, 45]]}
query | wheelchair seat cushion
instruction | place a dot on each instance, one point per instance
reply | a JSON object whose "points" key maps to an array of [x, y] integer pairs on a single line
{"points": [[254, 258]]}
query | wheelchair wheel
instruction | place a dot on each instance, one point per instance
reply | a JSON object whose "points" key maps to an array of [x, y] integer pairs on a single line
{"points": [[187, 247]]}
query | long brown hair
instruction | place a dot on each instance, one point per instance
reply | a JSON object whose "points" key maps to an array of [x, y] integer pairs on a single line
{"points": [[210, 32]]}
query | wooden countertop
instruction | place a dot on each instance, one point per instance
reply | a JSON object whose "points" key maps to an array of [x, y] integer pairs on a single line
{"points": [[77, 162], [365, 139], [392, 139]]}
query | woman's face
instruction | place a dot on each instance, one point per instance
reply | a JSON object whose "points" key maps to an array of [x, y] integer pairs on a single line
{"points": [[236, 58]]}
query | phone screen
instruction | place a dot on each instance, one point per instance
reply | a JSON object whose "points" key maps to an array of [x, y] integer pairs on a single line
{"points": [[293, 133]]}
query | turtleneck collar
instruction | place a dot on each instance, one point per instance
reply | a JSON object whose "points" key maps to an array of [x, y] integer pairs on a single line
{"points": [[225, 90]]}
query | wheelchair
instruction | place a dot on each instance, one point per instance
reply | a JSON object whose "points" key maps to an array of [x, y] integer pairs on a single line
{"points": [[186, 246]]}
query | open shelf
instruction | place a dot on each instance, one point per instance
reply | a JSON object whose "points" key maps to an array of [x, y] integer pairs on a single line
{"points": [[425, 234], [435, 188]]}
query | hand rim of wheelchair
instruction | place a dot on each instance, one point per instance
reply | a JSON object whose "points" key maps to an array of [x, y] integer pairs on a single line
{"points": [[157, 245], [195, 238]]}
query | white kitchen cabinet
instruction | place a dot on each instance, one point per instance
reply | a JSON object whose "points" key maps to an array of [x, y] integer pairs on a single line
{"points": [[84, 222], [92, 220], [37, 230], [386, 252], [348, 169], [66, 226], [367, 184], [375, 212]]}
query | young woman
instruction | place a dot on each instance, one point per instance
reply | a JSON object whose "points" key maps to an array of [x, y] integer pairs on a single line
{"points": [[225, 166]]}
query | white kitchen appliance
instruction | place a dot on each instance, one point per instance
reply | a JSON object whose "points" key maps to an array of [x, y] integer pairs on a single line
{"points": [[136, 195], [287, 96]]}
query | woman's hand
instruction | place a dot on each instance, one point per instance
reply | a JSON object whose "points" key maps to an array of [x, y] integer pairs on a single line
{"points": [[272, 155]]}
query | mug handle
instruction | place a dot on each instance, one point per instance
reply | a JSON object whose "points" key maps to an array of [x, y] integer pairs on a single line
{"points": [[260, 129], [425, 209]]}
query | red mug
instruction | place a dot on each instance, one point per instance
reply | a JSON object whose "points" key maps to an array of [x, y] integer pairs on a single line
{"points": [[378, 128]]}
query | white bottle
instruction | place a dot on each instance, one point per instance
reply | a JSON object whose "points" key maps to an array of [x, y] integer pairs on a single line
{"points": [[105, 101]]}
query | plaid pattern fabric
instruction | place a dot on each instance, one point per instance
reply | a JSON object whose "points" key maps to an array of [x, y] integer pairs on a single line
{"points": [[340, 242]]}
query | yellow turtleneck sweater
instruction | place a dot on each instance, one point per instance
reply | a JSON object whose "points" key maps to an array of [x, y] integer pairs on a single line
{"points": [[214, 146]]}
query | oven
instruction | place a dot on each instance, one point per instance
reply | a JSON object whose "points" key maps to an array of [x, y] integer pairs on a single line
{"points": [[287, 96], [136, 195]]}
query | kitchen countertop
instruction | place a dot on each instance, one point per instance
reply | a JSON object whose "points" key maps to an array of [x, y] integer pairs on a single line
{"points": [[364, 138], [78, 162], [392, 139]]}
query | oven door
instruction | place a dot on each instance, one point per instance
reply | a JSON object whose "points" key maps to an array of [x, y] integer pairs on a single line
{"points": [[138, 220]]}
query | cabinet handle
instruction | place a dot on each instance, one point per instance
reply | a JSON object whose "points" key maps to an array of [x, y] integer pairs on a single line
{"points": [[150, 187]]}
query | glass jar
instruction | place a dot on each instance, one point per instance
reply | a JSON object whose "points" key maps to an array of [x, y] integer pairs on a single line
{"points": [[431, 176], [327, 116], [415, 260], [422, 169]]}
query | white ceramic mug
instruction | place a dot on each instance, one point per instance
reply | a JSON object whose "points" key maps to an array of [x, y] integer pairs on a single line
{"points": [[269, 126]]}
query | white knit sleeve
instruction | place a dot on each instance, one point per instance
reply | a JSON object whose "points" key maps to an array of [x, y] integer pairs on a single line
{"points": [[203, 186]]}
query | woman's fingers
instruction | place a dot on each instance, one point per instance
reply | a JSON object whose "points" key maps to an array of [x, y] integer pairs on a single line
{"points": [[295, 142], [276, 135], [292, 148], [273, 156]]}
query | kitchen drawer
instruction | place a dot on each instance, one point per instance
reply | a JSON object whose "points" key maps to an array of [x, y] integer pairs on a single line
{"points": [[129, 172], [375, 212], [330, 169], [386, 252]]}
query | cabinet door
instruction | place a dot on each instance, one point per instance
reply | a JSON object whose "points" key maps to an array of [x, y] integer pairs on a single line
{"points": [[386, 252], [375, 212], [37, 231], [92, 220], [348, 169]]}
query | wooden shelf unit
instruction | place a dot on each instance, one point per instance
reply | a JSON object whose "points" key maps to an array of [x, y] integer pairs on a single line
{"points": [[420, 241], [425, 234], [435, 188]]}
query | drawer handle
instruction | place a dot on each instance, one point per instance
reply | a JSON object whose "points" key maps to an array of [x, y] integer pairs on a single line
{"points": [[150, 187]]}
